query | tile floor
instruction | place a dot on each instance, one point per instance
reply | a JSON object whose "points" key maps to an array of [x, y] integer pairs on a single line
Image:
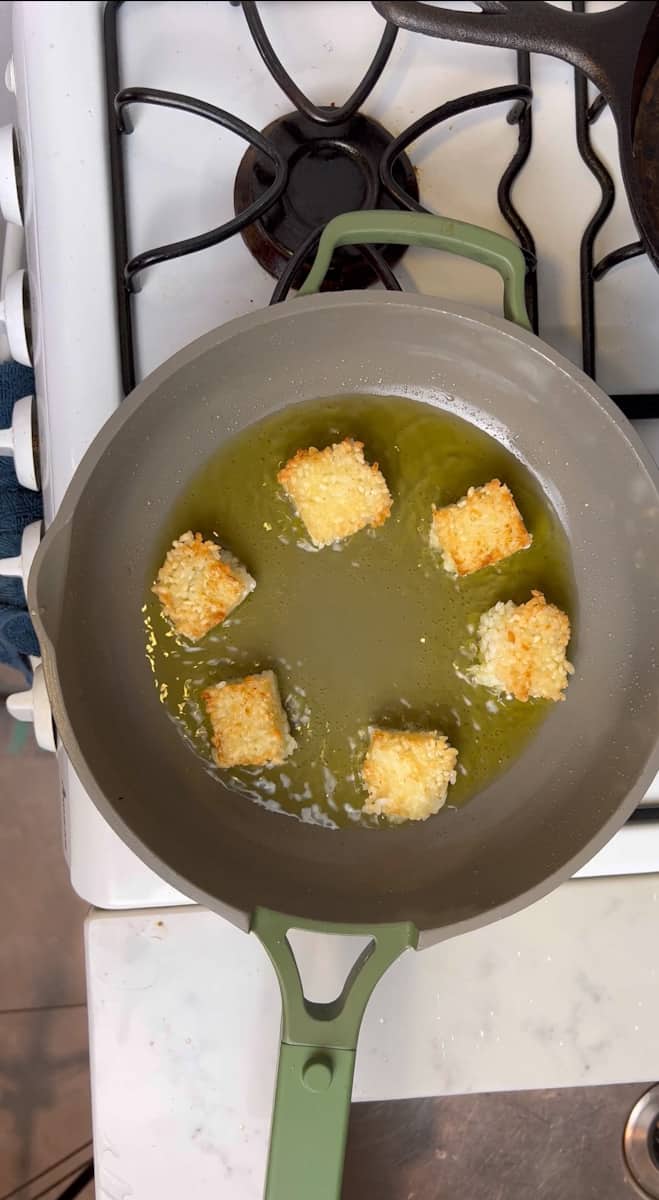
{"points": [[44, 1074]]}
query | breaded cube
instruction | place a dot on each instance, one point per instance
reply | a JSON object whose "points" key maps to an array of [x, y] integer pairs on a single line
{"points": [[407, 774], [482, 528], [522, 649], [335, 492], [249, 722], [199, 584]]}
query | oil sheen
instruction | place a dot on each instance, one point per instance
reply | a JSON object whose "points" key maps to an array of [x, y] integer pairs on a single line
{"points": [[372, 631]]}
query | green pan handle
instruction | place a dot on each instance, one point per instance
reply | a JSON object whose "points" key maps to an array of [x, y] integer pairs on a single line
{"points": [[424, 229], [317, 1056]]}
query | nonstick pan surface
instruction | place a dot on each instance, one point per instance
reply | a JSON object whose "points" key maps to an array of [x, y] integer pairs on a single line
{"points": [[575, 782]]}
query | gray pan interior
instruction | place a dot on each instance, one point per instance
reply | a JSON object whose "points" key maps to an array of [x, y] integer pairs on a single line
{"points": [[577, 780]]}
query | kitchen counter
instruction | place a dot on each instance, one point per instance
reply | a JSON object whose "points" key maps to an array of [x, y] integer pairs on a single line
{"points": [[185, 1013]]}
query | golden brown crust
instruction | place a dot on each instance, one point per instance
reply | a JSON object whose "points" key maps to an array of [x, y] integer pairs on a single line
{"points": [[198, 585], [335, 492], [248, 721], [523, 649], [407, 775], [481, 529]]}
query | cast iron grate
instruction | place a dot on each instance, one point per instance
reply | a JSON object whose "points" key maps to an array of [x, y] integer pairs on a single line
{"points": [[390, 177], [634, 406]]}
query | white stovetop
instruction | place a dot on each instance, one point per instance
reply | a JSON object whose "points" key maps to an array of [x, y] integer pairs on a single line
{"points": [[206, 50]]}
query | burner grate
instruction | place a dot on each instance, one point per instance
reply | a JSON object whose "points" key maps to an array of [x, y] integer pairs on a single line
{"points": [[265, 217], [129, 96], [634, 406], [645, 404], [329, 115], [520, 115]]}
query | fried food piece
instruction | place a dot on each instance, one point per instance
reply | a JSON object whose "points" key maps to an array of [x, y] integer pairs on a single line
{"points": [[249, 722], [407, 775], [522, 649], [199, 584], [335, 492], [482, 528]]}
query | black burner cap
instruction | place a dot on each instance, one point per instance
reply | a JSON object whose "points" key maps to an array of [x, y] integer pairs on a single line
{"points": [[332, 169]]}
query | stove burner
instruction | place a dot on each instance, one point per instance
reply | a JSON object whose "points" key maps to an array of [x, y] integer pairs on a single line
{"points": [[331, 169]]}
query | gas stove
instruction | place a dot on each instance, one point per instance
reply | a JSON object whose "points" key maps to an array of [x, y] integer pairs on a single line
{"points": [[174, 165]]}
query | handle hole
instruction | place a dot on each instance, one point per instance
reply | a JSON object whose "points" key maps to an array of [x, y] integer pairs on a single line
{"points": [[325, 962]]}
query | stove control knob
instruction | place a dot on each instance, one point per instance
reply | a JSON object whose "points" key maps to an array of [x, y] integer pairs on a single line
{"points": [[14, 314], [19, 567], [10, 196], [20, 439], [34, 705]]}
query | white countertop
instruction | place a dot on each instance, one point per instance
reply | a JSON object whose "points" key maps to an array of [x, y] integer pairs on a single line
{"points": [[185, 1010]]}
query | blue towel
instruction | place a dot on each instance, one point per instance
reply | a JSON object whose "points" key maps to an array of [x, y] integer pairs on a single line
{"points": [[18, 507], [15, 381]]}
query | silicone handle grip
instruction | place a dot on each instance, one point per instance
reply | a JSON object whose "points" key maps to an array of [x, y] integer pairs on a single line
{"points": [[317, 1057], [438, 233]]}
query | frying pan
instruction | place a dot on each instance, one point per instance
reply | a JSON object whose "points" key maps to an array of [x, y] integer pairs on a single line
{"points": [[618, 49], [416, 884]]}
